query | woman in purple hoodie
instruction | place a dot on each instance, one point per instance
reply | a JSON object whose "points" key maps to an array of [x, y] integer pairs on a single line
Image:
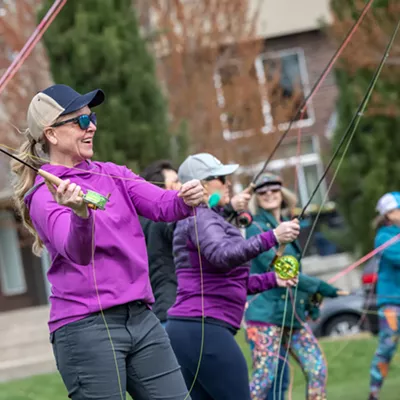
{"points": [[212, 266], [105, 339]]}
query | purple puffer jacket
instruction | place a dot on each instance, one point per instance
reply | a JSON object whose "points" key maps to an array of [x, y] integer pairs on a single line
{"points": [[225, 267]]}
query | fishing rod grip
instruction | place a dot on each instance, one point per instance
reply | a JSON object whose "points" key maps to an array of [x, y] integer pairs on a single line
{"points": [[55, 180], [250, 188], [281, 250]]}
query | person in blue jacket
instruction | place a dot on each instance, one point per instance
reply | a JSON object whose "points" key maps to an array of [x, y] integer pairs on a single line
{"points": [[271, 318], [387, 226]]}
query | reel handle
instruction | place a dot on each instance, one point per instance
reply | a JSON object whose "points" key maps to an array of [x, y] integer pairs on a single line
{"points": [[281, 250]]}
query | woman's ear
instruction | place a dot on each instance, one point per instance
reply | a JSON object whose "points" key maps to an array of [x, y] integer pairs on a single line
{"points": [[50, 136]]}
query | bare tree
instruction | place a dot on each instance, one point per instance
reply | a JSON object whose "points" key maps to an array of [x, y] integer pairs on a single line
{"points": [[17, 23], [207, 52]]}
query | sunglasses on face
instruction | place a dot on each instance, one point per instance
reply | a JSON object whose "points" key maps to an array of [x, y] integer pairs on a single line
{"points": [[222, 179], [83, 121], [265, 191]]}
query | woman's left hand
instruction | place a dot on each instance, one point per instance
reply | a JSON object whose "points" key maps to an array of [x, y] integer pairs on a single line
{"points": [[192, 193], [286, 282]]}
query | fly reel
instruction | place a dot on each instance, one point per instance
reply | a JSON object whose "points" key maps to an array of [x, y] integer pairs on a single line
{"points": [[287, 267]]}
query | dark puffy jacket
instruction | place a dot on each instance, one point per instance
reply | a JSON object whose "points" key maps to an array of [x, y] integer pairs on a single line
{"points": [[221, 275]]}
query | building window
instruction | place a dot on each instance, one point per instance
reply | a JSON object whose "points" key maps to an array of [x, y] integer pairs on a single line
{"points": [[11, 267], [239, 99], [300, 174], [265, 96], [286, 85], [46, 264]]}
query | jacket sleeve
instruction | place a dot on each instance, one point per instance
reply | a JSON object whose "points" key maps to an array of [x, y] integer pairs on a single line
{"points": [[219, 248], [69, 235], [258, 283], [263, 261], [308, 284], [392, 252], [153, 202]]}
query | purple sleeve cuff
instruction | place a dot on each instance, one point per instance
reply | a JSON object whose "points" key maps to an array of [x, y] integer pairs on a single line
{"points": [[81, 222], [272, 279], [187, 210], [268, 239], [259, 283]]}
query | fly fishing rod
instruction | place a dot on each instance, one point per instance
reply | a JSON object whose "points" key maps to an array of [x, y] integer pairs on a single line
{"points": [[288, 266], [93, 199]]}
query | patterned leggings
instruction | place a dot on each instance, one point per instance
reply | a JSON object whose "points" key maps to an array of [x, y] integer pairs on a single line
{"points": [[389, 332], [303, 347]]}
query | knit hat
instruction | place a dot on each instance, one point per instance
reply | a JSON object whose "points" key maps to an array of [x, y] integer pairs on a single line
{"points": [[273, 181]]}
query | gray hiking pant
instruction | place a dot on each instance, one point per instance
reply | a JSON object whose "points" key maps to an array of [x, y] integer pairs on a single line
{"points": [[147, 366]]}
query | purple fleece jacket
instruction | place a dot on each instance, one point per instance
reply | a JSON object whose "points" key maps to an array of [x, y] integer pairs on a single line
{"points": [[120, 257], [224, 259]]}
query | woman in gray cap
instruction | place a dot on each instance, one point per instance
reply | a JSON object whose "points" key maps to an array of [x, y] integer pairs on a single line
{"points": [[212, 266]]}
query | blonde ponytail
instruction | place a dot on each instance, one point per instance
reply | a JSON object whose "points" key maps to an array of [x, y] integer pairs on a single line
{"points": [[23, 182]]}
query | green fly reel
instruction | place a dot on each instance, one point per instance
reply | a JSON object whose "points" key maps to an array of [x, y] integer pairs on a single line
{"points": [[287, 267], [95, 200]]}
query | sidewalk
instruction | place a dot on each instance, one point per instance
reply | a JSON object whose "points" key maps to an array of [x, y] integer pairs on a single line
{"points": [[25, 349]]}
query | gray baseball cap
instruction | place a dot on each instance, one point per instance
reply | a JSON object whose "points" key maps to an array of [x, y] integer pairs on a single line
{"points": [[203, 165]]}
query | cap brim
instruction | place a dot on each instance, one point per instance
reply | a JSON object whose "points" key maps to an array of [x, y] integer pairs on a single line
{"points": [[225, 170], [91, 99], [275, 184], [271, 185]]}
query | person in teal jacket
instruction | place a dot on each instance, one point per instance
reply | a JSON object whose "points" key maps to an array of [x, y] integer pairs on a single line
{"points": [[388, 290], [271, 314]]}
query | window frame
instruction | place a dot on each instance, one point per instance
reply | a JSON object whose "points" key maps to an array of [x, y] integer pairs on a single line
{"points": [[305, 81], [217, 78], [304, 160], [22, 289], [265, 104]]}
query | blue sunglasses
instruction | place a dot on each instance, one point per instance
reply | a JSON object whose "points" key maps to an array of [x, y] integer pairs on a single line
{"points": [[83, 121]]}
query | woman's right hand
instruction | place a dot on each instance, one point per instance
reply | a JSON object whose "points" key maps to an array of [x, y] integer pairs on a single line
{"points": [[287, 232], [69, 195]]}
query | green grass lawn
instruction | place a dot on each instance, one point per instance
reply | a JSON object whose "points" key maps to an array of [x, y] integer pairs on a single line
{"points": [[347, 379]]}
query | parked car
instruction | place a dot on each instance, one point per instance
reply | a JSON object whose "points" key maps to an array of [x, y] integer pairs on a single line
{"points": [[340, 316]]}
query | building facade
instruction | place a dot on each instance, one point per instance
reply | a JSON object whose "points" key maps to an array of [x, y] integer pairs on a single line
{"points": [[22, 280], [291, 53], [239, 81]]}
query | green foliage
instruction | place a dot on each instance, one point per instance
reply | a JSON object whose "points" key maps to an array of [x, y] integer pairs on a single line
{"points": [[371, 166], [96, 44]]}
